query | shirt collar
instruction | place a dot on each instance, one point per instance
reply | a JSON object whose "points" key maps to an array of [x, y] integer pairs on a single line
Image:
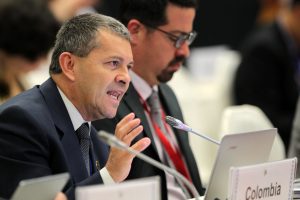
{"points": [[74, 114], [142, 87]]}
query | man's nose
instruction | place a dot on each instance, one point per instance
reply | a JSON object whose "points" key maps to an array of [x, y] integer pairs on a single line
{"points": [[123, 76], [183, 50]]}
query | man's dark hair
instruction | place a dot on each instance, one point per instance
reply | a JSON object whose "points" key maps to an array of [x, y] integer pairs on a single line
{"points": [[28, 28], [295, 2], [150, 12]]}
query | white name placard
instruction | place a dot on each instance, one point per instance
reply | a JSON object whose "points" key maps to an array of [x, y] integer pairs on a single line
{"points": [[137, 189], [271, 181]]}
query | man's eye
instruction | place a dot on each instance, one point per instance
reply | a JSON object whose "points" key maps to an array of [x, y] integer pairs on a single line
{"points": [[114, 63], [174, 39], [130, 66]]}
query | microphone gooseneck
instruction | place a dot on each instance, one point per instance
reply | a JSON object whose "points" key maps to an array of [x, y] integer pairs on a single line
{"points": [[113, 141], [176, 123]]}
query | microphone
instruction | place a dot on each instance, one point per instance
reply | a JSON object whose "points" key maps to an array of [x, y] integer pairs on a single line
{"points": [[113, 141], [176, 123]]}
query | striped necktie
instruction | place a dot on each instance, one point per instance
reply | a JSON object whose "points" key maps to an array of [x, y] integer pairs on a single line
{"points": [[84, 141]]}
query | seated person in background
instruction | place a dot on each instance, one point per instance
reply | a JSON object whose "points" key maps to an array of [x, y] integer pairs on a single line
{"points": [[161, 32], [27, 33], [62, 10], [268, 75], [46, 130], [268, 11]]}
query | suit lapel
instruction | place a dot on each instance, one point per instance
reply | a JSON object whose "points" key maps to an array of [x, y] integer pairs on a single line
{"points": [[171, 107], [132, 100], [65, 130]]}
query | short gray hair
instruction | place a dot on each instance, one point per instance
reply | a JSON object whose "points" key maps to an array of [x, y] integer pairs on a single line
{"points": [[78, 36]]}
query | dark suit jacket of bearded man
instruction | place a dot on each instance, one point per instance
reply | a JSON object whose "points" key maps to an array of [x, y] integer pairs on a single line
{"points": [[131, 103]]}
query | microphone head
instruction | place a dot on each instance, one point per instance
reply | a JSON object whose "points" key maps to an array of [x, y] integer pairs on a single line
{"points": [[176, 123], [171, 121]]}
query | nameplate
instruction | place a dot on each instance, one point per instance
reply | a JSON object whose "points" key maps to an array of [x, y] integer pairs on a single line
{"points": [[271, 181], [135, 189]]}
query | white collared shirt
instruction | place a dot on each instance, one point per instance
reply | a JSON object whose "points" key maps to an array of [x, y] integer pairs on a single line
{"points": [[74, 114]]}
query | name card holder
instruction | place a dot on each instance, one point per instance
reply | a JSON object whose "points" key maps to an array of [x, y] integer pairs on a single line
{"points": [[271, 181], [135, 189]]}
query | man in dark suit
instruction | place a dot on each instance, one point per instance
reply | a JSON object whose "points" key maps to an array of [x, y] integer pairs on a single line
{"points": [[294, 149], [161, 32], [46, 130], [268, 75]]}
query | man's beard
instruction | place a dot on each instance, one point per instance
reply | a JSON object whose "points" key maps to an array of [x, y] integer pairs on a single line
{"points": [[167, 74]]}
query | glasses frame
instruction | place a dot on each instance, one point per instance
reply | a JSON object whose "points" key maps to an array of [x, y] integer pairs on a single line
{"points": [[178, 40]]}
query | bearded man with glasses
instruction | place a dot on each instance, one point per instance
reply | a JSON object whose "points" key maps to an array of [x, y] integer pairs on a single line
{"points": [[161, 32]]}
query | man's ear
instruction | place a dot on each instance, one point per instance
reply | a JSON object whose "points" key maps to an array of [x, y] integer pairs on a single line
{"points": [[66, 61], [136, 30]]}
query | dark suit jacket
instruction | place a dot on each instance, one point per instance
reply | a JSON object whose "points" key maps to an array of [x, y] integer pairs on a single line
{"points": [[266, 78], [131, 103], [37, 138]]}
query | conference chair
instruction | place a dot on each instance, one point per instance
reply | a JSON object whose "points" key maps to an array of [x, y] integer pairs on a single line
{"points": [[243, 118]]}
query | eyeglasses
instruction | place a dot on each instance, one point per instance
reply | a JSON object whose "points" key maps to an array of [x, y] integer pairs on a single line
{"points": [[179, 40]]}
